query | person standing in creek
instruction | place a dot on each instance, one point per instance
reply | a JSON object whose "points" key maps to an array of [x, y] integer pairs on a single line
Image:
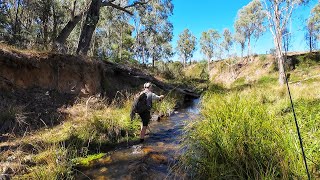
{"points": [[142, 105]]}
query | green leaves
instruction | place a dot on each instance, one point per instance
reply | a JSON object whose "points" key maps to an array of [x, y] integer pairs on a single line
{"points": [[209, 43], [186, 45], [250, 21], [314, 20]]}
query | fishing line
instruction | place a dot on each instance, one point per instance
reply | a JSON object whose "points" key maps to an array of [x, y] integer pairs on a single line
{"points": [[296, 122]]}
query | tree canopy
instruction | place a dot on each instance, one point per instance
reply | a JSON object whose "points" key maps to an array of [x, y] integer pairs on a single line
{"points": [[186, 45]]}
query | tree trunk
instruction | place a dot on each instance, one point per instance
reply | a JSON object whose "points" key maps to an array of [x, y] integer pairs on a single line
{"points": [[55, 22], [89, 27], [249, 47], [281, 68], [65, 32], [120, 47], [242, 49], [143, 56], [278, 45], [310, 41], [16, 27], [45, 20]]}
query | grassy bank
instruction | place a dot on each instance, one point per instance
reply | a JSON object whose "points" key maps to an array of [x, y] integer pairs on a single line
{"points": [[93, 127], [248, 131]]}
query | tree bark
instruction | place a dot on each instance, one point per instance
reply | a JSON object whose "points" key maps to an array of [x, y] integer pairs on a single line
{"points": [[45, 20], [85, 34], [16, 27], [65, 32], [89, 27], [55, 22], [249, 47], [310, 40], [143, 56], [278, 45]]}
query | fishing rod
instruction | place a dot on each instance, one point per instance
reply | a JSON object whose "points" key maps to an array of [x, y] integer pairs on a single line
{"points": [[296, 121]]}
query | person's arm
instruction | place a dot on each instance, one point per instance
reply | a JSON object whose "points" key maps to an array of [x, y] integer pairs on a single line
{"points": [[156, 97]]}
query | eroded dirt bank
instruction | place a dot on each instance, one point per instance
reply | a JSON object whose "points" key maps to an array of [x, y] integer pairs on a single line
{"points": [[35, 87]]}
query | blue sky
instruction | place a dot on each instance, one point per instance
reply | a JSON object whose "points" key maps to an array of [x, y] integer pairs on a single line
{"points": [[202, 15]]}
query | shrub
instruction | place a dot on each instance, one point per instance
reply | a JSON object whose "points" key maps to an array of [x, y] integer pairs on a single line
{"points": [[263, 57]]}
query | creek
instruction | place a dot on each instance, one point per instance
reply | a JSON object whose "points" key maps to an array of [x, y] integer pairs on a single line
{"points": [[154, 158]]}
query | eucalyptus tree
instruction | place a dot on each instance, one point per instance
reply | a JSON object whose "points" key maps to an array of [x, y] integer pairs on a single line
{"points": [[186, 45], [154, 30], [209, 43], [250, 21], [240, 38], [113, 36], [311, 36], [4, 21], [279, 14], [286, 40], [92, 13], [14, 20], [313, 27], [227, 40], [34, 23]]}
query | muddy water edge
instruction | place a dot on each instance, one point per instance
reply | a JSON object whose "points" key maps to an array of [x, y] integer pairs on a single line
{"points": [[154, 158]]}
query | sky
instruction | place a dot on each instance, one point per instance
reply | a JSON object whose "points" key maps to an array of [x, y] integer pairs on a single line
{"points": [[202, 15]]}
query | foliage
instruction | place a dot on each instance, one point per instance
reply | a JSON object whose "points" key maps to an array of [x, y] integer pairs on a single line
{"points": [[250, 21], [314, 20], [70, 26], [186, 45], [166, 106], [197, 71], [93, 123], [279, 14], [210, 45], [250, 134], [227, 40], [313, 28], [154, 31], [170, 70]]}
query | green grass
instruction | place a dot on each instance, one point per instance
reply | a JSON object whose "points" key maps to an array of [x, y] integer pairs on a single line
{"points": [[166, 106], [75, 142], [263, 57], [267, 80], [250, 134], [239, 82], [93, 124]]}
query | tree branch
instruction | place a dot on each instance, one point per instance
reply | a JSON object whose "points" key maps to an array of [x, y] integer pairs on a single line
{"points": [[289, 13], [124, 9], [137, 3]]}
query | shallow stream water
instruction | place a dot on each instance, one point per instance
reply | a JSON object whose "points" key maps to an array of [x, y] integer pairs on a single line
{"points": [[151, 160]]}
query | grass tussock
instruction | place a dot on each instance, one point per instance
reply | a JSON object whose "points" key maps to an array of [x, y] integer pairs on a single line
{"points": [[93, 124], [166, 106], [249, 133]]}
